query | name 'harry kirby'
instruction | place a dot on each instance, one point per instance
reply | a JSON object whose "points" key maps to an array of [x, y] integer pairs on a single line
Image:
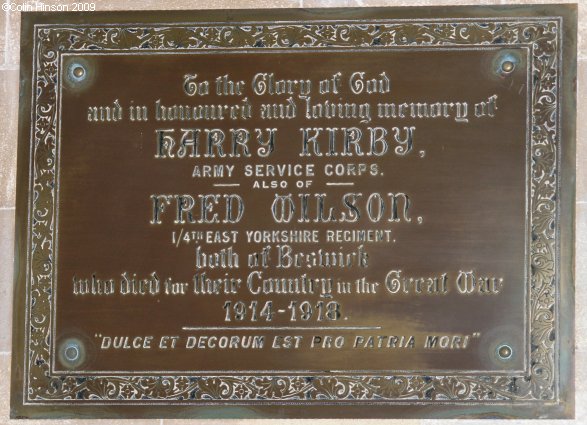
{"points": [[314, 141]]}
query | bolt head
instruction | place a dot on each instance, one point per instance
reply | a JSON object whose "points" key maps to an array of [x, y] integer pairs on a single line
{"points": [[71, 352], [505, 351], [79, 71], [508, 66]]}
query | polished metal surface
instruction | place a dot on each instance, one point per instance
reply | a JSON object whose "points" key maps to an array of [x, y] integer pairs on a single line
{"points": [[298, 213]]}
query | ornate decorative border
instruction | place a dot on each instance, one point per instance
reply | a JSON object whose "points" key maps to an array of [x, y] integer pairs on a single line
{"points": [[542, 38]]}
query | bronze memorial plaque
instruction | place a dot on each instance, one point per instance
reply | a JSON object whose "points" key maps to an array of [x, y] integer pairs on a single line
{"points": [[296, 213]]}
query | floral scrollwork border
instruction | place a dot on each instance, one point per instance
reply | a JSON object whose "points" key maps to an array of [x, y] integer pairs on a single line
{"points": [[542, 38]]}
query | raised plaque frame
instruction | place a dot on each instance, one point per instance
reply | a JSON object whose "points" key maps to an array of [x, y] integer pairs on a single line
{"points": [[545, 390]]}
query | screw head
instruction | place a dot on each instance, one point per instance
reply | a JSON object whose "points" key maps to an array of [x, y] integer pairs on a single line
{"points": [[508, 66], [79, 71], [505, 351], [71, 352]]}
